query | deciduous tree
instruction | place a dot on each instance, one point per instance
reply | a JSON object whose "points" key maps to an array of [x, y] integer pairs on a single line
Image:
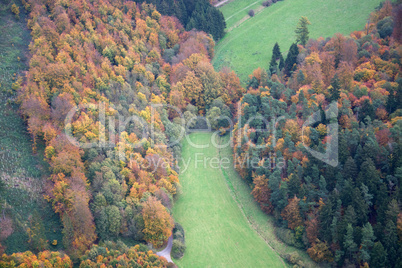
{"points": [[291, 213], [158, 222]]}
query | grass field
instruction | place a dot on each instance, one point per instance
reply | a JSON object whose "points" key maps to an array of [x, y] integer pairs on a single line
{"points": [[262, 223], [22, 170], [217, 232], [249, 45]]}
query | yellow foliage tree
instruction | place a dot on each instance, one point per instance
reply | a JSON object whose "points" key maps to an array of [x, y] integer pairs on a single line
{"points": [[158, 222]]}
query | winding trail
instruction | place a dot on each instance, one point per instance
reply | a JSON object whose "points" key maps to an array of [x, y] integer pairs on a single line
{"points": [[241, 10], [166, 252]]}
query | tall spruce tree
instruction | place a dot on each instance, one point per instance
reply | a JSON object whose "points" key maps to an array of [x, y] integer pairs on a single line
{"points": [[281, 62], [367, 242], [276, 51], [273, 66], [349, 242], [291, 59], [378, 256], [334, 89], [302, 33]]}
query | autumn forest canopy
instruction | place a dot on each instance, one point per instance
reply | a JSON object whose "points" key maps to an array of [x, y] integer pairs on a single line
{"points": [[93, 64]]}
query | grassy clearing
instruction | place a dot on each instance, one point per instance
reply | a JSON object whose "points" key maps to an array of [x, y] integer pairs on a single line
{"points": [[262, 223], [22, 171], [217, 232], [249, 45], [15, 144]]}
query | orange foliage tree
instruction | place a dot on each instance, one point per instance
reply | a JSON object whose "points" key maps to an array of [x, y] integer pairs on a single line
{"points": [[291, 213], [158, 222], [262, 193], [30, 260]]}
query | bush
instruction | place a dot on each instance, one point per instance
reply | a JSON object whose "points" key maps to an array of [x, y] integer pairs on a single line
{"points": [[267, 3], [251, 13], [178, 249], [286, 236], [274, 1], [179, 241], [16, 10], [295, 259], [385, 27], [364, 53]]}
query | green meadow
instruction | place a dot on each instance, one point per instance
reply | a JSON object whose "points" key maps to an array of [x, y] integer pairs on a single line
{"points": [[218, 233], [249, 41]]}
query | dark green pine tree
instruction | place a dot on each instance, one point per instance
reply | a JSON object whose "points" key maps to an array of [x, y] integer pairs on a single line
{"points": [[190, 5], [191, 24], [325, 220], [393, 211], [220, 24], [281, 62], [378, 256], [300, 77], [273, 66], [167, 7], [202, 16], [367, 243], [349, 242], [344, 152], [394, 100], [349, 217], [323, 193], [399, 258], [381, 202], [291, 59], [334, 89], [199, 16], [276, 51], [367, 109], [253, 82], [360, 207], [369, 176], [2, 189], [294, 185], [336, 220], [180, 11], [390, 241], [279, 191]]}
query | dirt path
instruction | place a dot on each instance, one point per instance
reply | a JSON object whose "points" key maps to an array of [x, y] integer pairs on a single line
{"points": [[240, 22], [241, 10], [221, 3], [166, 252]]}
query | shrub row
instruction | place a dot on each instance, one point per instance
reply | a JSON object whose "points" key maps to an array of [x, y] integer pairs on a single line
{"points": [[266, 3], [179, 242]]}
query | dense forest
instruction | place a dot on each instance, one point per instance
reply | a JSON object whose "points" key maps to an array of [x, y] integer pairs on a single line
{"points": [[200, 15], [117, 60], [346, 213]]}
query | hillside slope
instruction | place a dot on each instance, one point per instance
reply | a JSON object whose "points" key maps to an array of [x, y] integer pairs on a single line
{"points": [[22, 171], [249, 45]]}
